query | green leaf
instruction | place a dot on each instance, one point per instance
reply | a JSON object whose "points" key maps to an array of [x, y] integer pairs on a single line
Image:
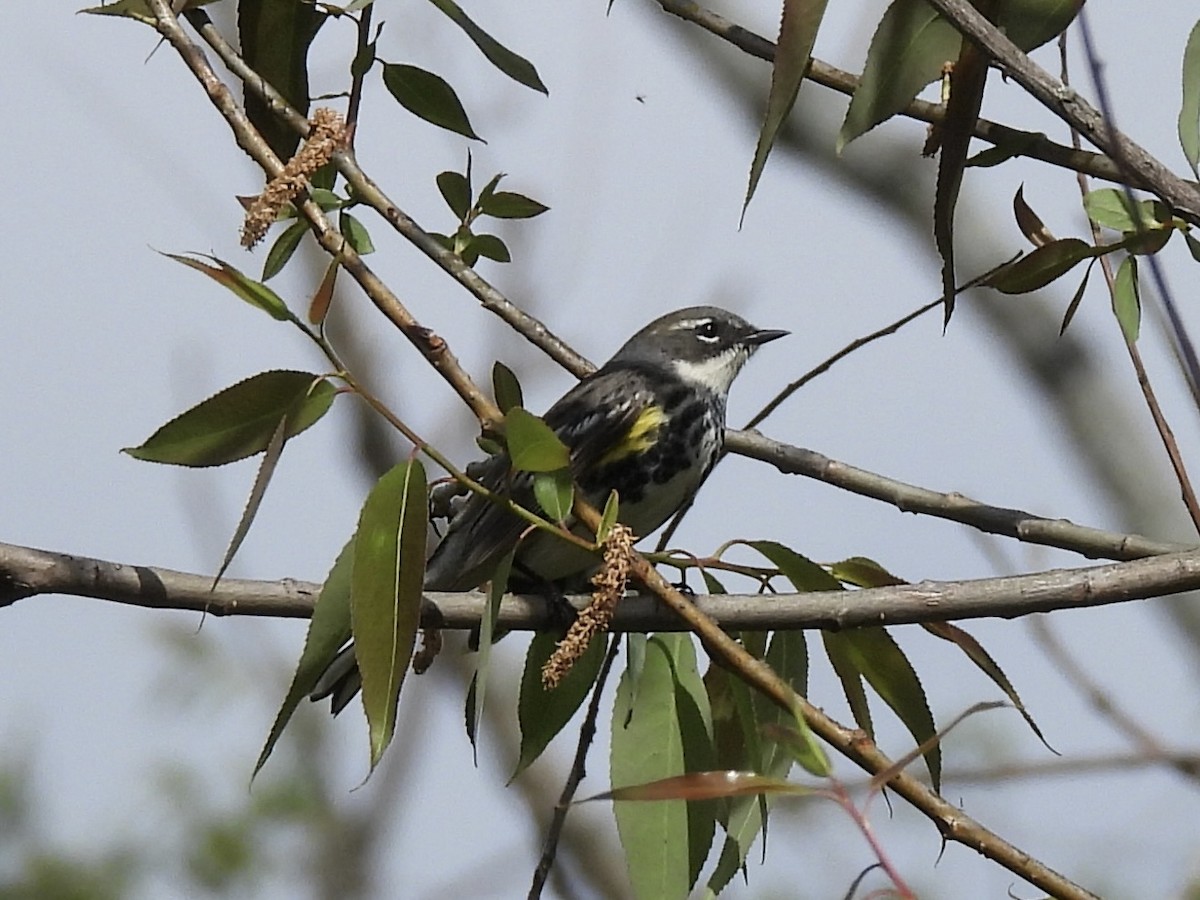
{"points": [[274, 37], [253, 292], [266, 469], [429, 97], [873, 653], [328, 632], [532, 444], [542, 713], [909, 47], [797, 32], [510, 205], [139, 10], [1193, 245], [647, 746], [489, 246], [239, 421], [505, 387], [456, 191], [802, 572], [1037, 269], [555, 493], [863, 572], [283, 248], [1029, 222], [1127, 300], [695, 730], [355, 233], [842, 660], [516, 67], [1076, 298], [978, 655], [1012, 144], [487, 626], [1110, 208], [1031, 23], [385, 596], [608, 518], [1189, 110]]}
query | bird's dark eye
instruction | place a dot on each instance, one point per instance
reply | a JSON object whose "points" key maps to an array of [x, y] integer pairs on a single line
{"points": [[707, 330]]}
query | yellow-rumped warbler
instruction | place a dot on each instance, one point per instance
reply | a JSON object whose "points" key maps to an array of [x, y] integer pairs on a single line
{"points": [[649, 424]]}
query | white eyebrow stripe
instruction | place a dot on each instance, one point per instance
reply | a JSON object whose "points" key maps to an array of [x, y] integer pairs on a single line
{"points": [[694, 323]]}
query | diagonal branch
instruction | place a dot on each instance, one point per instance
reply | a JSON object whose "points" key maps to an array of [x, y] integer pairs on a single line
{"points": [[1064, 102], [430, 345], [1093, 543], [1037, 147]]}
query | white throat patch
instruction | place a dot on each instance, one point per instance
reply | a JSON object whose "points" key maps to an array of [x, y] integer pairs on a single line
{"points": [[716, 372]]}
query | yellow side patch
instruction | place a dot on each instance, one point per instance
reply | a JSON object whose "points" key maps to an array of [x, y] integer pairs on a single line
{"points": [[640, 437]]}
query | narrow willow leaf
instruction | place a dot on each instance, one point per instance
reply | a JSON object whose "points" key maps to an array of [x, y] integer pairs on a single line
{"points": [[910, 46], [355, 233], [532, 444], [873, 653], [1076, 298], [1193, 245], [797, 32], [429, 97], [281, 251], [239, 421], [968, 79], [841, 657], [456, 191], [510, 205], [863, 572], [505, 387], [490, 247], [1127, 300], [542, 713], [803, 573], [385, 596], [516, 67], [555, 493], [328, 632], [266, 469], [253, 292], [696, 732], [139, 10], [487, 627], [978, 655], [1042, 266], [647, 746], [274, 37], [1031, 23], [1018, 143], [1029, 222], [1189, 110], [322, 298], [608, 518]]}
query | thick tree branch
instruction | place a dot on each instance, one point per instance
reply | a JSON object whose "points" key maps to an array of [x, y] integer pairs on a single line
{"points": [[28, 572]]}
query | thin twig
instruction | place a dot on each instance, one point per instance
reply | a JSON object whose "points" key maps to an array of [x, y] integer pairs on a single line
{"points": [[587, 734], [1162, 426], [1148, 745]]}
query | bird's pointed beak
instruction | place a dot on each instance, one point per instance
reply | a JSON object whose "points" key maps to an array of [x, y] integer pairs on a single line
{"points": [[762, 336]]}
